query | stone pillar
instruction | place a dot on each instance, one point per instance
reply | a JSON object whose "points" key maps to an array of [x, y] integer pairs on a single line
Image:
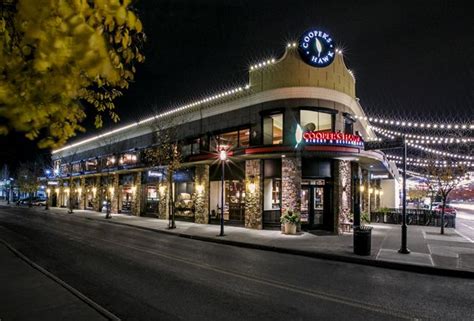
{"points": [[163, 208], [97, 202], [291, 183], [137, 195], [115, 197], [82, 195], [365, 193], [253, 194], [342, 193], [201, 194]]}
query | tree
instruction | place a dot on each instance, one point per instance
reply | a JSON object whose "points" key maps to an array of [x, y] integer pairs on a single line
{"points": [[443, 178], [165, 152], [57, 56], [27, 178]]}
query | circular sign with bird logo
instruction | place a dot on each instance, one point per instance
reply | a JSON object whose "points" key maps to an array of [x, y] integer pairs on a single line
{"points": [[316, 48]]}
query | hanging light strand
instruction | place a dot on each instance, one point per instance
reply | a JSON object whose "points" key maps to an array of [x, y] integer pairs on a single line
{"points": [[423, 139], [413, 124]]}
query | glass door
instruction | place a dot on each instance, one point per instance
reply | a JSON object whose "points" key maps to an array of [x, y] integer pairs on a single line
{"points": [[305, 204], [318, 205]]}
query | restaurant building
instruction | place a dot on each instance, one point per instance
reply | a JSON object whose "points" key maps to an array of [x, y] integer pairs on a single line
{"points": [[292, 139]]}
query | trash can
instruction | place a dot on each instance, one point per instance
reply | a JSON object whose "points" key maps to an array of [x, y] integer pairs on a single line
{"points": [[362, 240]]}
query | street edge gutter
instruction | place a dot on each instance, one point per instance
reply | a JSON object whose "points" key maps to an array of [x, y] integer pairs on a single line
{"points": [[107, 314], [317, 255]]}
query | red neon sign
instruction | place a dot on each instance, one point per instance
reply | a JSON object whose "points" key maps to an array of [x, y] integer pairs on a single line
{"points": [[332, 138]]}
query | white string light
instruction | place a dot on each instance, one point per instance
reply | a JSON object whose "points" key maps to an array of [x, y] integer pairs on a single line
{"points": [[422, 139], [262, 64], [206, 100], [413, 124], [434, 151]]}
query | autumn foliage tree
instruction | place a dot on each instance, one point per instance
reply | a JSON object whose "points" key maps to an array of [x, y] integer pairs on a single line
{"points": [[56, 56]]}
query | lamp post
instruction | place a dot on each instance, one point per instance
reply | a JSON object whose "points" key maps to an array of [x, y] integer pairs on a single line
{"points": [[222, 157]]}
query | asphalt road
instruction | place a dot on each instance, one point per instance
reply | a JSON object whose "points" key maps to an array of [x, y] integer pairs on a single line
{"points": [[141, 275]]}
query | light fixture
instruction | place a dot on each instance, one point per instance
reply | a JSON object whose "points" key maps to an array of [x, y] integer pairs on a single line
{"points": [[222, 155], [252, 187], [134, 189], [362, 188], [199, 189], [162, 189], [56, 190], [371, 190], [111, 190], [48, 191], [94, 190]]}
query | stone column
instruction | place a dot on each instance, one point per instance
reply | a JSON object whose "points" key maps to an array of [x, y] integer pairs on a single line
{"points": [[291, 183], [201, 194], [342, 193], [115, 197], [82, 195], [163, 210], [253, 194], [97, 202], [137, 197]]}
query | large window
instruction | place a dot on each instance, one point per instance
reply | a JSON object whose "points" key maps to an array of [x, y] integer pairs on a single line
{"points": [[128, 159], [315, 120], [348, 125], [76, 167], [231, 140], [273, 129], [91, 165]]}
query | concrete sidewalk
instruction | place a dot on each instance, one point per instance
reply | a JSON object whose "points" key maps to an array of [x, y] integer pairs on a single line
{"points": [[448, 254], [31, 293]]}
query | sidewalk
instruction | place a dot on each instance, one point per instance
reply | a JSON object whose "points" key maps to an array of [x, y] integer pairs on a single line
{"points": [[448, 254], [30, 294]]}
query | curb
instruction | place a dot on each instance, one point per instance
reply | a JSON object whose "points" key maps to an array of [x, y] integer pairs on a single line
{"points": [[317, 255], [107, 314], [429, 270]]}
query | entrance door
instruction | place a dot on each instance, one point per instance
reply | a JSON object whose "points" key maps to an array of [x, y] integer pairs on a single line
{"points": [[313, 204]]}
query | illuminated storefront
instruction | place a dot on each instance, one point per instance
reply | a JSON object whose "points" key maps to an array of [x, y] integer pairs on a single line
{"points": [[294, 136]]}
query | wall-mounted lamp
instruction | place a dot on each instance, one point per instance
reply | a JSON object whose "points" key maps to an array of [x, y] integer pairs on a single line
{"points": [[252, 187], [111, 190], [162, 189], [48, 191], [79, 191], [362, 188], [371, 190], [199, 189], [56, 190], [94, 190], [134, 189]]}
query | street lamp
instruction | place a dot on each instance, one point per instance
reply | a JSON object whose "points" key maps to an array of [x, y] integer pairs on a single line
{"points": [[223, 158]]}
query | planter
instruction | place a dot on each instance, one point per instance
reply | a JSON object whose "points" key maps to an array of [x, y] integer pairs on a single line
{"points": [[290, 228]]}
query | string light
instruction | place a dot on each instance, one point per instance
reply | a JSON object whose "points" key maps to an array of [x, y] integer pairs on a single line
{"points": [[423, 139], [412, 124], [206, 100], [263, 64], [291, 45]]}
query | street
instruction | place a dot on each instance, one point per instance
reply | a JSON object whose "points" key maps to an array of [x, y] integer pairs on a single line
{"points": [[142, 275]]}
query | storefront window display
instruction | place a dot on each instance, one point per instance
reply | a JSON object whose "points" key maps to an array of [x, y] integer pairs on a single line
{"points": [[184, 204], [231, 140]]}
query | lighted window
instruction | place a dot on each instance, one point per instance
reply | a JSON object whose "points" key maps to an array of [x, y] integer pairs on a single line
{"points": [[231, 140], [91, 165], [271, 194], [273, 129], [244, 138], [64, 169], [76, 168], [111, 161], [128, 159], [317, 121], [348, 126]]}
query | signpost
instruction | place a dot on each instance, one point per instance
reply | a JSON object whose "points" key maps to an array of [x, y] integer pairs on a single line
{"points": [[390, 144]]}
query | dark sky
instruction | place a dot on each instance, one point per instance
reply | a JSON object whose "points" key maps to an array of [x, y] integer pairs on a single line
{"points": [[412, 60]]}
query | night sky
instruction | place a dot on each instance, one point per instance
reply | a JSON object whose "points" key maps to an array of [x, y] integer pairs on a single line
{"points": [[412, 60]]}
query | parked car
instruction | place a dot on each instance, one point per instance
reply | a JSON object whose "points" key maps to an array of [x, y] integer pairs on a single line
{"points": [[39, 201], [448, 210], [35, 201]]}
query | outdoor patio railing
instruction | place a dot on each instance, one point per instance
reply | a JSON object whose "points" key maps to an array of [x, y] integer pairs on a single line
{"points": [[414, 217]]}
